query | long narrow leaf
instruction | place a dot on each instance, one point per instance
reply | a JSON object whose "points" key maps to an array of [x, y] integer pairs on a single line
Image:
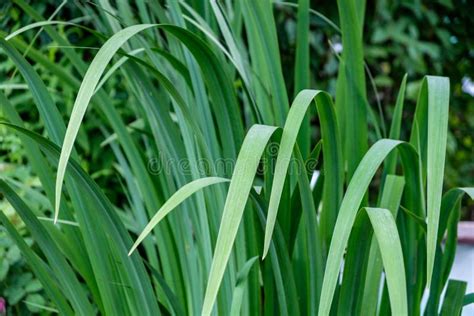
{"points": [[388, 240], [240, 186], [331, 152]]}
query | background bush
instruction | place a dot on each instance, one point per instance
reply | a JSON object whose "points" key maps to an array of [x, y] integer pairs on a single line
{"points": [[400, 37]]}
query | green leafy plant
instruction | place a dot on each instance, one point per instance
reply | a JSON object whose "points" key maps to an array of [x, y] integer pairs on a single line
{"points": [[206, 104]]}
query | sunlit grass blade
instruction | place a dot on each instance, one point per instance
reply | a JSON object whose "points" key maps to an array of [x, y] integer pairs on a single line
{"points": [[36, 25], [331, 153], [172, 90], [88, 86], [392, 194], [385, 230], [350, 204], [176, 199], [438, 107], [239, 189]]}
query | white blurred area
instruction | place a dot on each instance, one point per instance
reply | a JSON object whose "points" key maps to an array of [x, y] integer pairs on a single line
{"points": [[463, 269]]}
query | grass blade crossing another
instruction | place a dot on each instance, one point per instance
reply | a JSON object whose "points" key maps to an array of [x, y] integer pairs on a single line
{"points": [[388, 240], [240, 186], [331, 151], [176, 199]]}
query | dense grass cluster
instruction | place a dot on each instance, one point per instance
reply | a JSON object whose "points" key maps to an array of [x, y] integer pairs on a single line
{"points": [[290, 225]]}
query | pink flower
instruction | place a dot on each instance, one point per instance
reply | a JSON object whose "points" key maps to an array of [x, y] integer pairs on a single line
{"points": [[3, 306]]}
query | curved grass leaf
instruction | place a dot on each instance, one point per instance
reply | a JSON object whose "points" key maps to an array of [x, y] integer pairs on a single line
{"points": [[391, 196], [385, 230], [264, 51], [97, 68], [332, 154], [239, 189], [88, 86], [36, 25], [350, 204], [182, 194]]}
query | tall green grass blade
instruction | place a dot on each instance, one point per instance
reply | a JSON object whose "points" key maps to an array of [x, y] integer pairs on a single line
{"points": [[429, 134], [240, 63], [314, 252], [331, 153], [264, 53], [355, 98], [239, 189], [350, 204], [355, 265], [388, 240], [438, 107], [302, 69], [392, 194]]}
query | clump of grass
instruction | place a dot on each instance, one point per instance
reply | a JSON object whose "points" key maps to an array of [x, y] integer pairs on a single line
{"points": [[202, 93]]}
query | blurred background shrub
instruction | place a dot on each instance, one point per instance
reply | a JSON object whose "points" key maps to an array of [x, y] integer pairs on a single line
{"points": [[413, 37]]}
